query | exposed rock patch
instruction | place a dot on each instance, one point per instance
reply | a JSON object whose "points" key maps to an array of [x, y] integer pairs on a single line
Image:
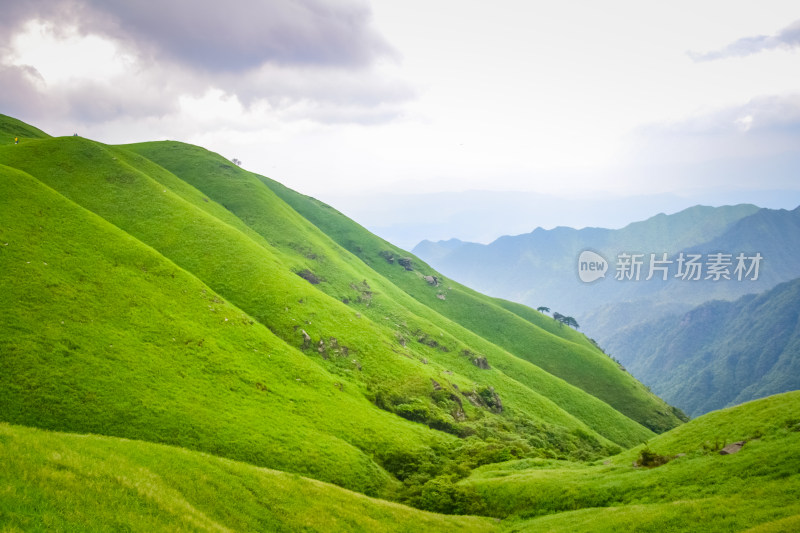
{"points": [[732, 448], [309, 276], [432, 280], [405, 262]]}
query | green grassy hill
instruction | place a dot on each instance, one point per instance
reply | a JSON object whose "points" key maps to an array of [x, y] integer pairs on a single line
{"points": [[101, 334], [65, 482], [419, 314], [758, 485], [59, 481], [527, 334], [205, 324], [158, 292], [11, 128]]}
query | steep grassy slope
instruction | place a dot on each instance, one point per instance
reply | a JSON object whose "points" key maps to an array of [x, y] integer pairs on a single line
{"points": [[150, 349], [257, 277], [758, 485], [64, 482], [560, 351], [720, 353], [11, 127], [339, 272], [158, 293], [101, 334]]}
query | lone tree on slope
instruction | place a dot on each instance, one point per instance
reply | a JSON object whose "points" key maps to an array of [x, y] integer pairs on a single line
{"points": [[563, 319]]}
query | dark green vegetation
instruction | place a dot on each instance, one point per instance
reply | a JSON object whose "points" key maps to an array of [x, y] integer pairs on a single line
{"points": [[159, 293], [720, 353]]}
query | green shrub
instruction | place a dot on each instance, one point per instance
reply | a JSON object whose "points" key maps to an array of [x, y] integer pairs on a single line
{"points": [[650, 459]]}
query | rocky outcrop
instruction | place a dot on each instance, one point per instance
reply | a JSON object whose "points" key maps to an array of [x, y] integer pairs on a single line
{"points": [[405, 262], [309, 276], [481, 362], [732, 448]]}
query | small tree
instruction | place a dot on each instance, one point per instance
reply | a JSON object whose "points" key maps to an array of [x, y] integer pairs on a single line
{"points": [[563, 319], [236, 162], [543, 309]]}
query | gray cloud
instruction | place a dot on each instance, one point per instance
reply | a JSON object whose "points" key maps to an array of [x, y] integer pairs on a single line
{"points": [[21, 91], [91, 102], [764, 127], [223, 36], [332, 86], [788, 37], [762, 114], [320, 54]]}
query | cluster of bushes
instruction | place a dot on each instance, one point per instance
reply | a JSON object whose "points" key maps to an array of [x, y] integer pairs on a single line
{"points": [[650, 459]]}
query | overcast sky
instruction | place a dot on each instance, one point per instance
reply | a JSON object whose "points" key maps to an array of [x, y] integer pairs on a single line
{"points": [[353, 101]]}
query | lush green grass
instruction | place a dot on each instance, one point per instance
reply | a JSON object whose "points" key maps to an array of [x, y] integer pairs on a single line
{"points": [[66, 482], [560, 351], [169, 303], [59, 481], [151, 292], [257, 277], [10, 128], [246, 196], [765, 416], [761, 483], [101, 334]]}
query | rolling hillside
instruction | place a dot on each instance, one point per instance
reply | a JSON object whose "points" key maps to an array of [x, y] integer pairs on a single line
{"points": [[60, 481], [158, 292], [506, 324], [697, 488], [185, 345], [66, 482]]}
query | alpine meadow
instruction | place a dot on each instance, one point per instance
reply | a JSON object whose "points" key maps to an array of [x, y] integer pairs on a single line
{"points": [[189, 346]]}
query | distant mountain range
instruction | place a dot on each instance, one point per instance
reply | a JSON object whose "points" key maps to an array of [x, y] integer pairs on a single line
{"points": [[720, 353], [540, 268], [698, 358]]}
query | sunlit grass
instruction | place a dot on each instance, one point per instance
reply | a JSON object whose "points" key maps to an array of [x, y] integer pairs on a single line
{"points": [[65, 482]]}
